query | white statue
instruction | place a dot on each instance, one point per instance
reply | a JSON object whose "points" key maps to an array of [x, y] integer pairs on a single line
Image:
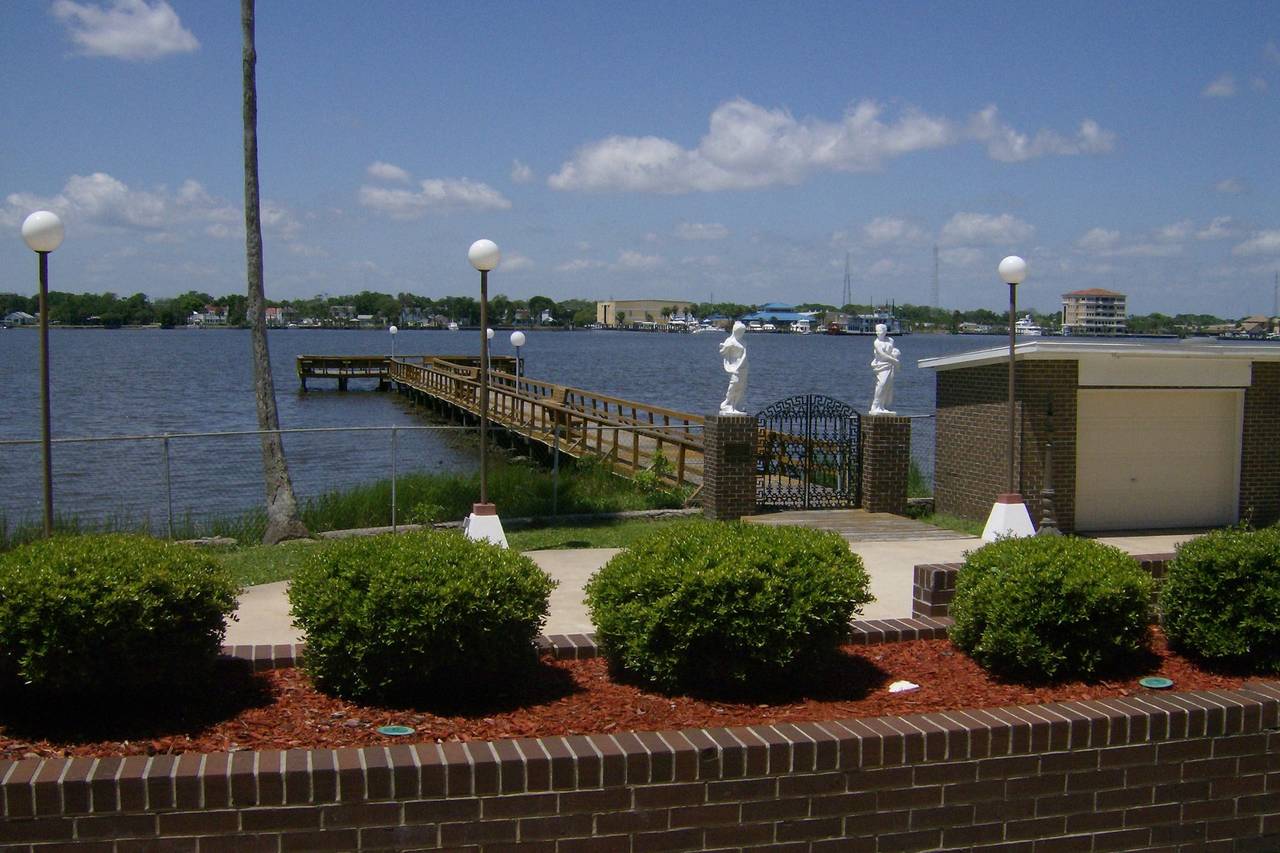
{"points": [[734, 352], [885, 358]]}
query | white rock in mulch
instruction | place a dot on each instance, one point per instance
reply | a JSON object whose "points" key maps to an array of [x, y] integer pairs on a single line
{"points": [[902, 687]]}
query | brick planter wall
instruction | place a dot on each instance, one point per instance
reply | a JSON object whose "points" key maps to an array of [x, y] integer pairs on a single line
{"points": [[972, 452], [1151, 771]]}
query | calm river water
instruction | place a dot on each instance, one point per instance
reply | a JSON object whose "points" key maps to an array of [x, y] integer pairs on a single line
{"points": [[143, 382]]}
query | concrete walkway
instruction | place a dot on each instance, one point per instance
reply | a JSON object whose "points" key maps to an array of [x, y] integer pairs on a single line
{"points": [[263, 614]]}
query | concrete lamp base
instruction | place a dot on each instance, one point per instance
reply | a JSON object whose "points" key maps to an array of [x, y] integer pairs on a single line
{"points": [[1009, 519], [483, 523]]}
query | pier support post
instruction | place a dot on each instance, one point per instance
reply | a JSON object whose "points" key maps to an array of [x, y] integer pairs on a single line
{"points": [[729, 467], [886, 459]]}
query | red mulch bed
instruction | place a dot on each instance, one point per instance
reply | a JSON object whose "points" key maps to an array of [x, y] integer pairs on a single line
{"points": [[279, 709]]}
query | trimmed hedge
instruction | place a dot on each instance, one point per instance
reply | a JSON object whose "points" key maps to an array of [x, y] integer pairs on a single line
{"points": [[1048, 608], [393, 617], [713, 604], [110, 614], [1221, 597]]}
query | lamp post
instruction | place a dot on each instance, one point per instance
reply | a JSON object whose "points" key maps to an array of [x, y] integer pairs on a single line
{"points": [[1009, 516], [517, 341], [393, 330], [483, 523], [43, 233]]}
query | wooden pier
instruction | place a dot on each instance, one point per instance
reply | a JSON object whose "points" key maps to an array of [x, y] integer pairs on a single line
{"points": [[580, 423]]}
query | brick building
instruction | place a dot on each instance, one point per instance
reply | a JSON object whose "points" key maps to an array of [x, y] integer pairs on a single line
{"points": [[1144, 436], [1093, 312]]}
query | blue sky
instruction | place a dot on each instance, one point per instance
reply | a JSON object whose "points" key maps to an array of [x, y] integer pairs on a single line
{"points": [[739, 150]]}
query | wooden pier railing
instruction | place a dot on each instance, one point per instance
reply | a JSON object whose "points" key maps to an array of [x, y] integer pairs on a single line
{"points": [[575, 421]]}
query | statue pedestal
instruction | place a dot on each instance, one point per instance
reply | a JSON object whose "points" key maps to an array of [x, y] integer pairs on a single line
{"points": [[1009, 519], [483, 523], [729, 467]]}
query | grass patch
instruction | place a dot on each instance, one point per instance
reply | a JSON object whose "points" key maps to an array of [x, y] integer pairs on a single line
{"points": [[259, 564], [918, 486], [954, 522], [606, 534], [519, 487]]}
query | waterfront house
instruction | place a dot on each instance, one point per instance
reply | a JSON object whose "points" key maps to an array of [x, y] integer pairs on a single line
{"points": [[19, 318]]}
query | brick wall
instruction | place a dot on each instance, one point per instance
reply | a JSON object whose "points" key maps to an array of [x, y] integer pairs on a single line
{"points": [[885, 447], [729, 467], [1260, 447], [1152, 771], [972, 445]]}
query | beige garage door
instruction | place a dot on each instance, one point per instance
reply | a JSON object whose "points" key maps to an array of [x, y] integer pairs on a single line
{"points": [[1153, 458]]}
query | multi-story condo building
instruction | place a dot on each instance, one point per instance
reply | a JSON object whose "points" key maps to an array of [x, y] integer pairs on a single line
{"points": [[1093, 312]]}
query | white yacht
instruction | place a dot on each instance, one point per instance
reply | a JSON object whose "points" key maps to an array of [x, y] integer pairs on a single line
{"points": [[1026, 327]]}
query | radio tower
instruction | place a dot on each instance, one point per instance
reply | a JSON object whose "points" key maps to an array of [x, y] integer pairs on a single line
{"points": [[935, 275], [848, 283]]}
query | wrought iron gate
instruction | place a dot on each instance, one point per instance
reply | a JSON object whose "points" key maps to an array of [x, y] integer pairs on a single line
{"points": [[807, 454]]}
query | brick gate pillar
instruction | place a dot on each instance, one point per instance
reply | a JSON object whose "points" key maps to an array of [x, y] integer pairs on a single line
{"points": [[729, 467], [885, 442]]}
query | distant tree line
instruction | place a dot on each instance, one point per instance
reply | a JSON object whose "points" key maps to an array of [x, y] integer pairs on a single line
{"points": [[111, 310]]}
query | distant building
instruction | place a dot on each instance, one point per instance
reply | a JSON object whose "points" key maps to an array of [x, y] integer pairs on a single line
{"points": [[1093, 312], [639, 311], [778, 315], [19, 318]]}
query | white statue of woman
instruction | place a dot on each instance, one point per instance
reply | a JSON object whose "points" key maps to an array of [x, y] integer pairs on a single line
{"points": [[734, 352], [885, 358]]}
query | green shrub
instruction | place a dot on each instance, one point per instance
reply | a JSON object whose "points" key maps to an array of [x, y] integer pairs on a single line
{"points": [[1221, 597], [1046, 608], [390, 617], [109, 613], [708, 604]]}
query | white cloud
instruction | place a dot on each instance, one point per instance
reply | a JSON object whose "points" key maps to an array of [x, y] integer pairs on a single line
{"points": [[748, 146], [387, 172], [520, 172], [1224, 86], [636, 261], [1101, 242], [890, 229], [1010, 146], [1217, 229], [129, 29], [100, 201], [961, 257], [1098, 239], [434, 194], [578, 265], [707, 261], [515, 262], [884, 266], [1261, 243], [982, 229], [701, 231], [1259, 85], [1230, 186], [1272, 52], [1176, 231]]}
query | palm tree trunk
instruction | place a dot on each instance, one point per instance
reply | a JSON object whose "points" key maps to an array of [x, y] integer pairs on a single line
{"points": [[283, 521]]}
